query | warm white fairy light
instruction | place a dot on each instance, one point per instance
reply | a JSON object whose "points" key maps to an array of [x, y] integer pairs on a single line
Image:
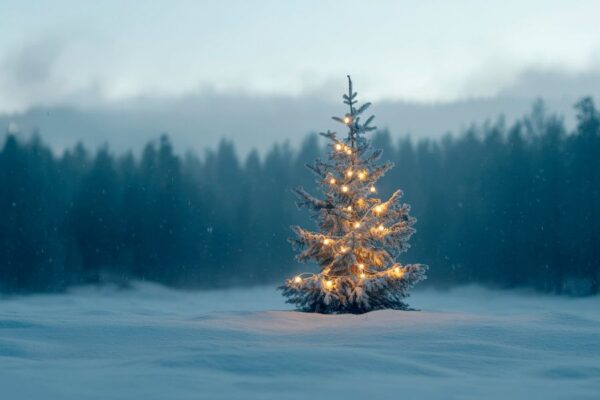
{"points": [[381, 227], [338, 147], [297, 279], [349, 173], [362, 275], [357, 224], [349, 208], [378, 209], [332, 181], [362, 175], [399, 272], [343, 249], [361, 266], [372, 189], [345, 189], [347, 119], [326, 241], [329, 284]]}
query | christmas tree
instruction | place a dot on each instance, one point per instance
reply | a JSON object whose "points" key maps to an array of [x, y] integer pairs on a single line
{"points": [[360, 236]]}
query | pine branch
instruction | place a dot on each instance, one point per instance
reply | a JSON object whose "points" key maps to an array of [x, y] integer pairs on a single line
{"points": [[362, 109], [315, 169], [329, 135], [369, 120], [306, 200], [374, 156]]}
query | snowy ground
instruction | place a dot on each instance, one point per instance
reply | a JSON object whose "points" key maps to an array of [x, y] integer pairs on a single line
{"points": [[155, 343]]}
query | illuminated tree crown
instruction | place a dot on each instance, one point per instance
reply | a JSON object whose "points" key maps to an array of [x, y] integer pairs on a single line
{"points": [[360, 235]]}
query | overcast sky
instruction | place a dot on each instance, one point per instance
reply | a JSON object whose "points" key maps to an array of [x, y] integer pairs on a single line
{"points": [[489, 57], [78, 51]]}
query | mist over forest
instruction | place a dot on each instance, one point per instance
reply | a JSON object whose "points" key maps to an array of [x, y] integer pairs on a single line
{"points": [[501, 204], [202, 119]]}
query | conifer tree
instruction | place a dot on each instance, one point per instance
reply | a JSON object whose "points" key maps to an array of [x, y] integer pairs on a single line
{"points": [[360, 236]]}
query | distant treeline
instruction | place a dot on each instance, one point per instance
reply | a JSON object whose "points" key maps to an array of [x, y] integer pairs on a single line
{"points": [[509, 206]]}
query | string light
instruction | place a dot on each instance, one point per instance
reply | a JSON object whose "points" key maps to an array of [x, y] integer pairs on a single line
{"points": [[345, 189], [326, 241], [396, 271], [362, 175], [357, 225], [332, 181], [360, 202], [338, 147], [378, 209], [348, 151], [347, 119], [349, 208], [349, 173], [343, 249], [381, 227], [373, 190]]}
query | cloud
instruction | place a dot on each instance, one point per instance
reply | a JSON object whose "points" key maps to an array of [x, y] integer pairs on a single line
{"points": [[32, 65], [199, 119], [28, 74], [553, 83]]}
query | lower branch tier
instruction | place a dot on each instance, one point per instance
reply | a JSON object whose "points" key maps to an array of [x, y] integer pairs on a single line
{"points": [[351, 294]]}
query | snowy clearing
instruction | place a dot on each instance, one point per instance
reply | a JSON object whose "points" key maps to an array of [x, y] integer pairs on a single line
{"points": [[156, 343]]}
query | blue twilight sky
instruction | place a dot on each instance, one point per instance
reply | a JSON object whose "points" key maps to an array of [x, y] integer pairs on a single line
{"points": [[89, 53]]}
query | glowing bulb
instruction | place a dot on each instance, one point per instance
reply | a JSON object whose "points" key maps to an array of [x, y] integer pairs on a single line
{"points": [[373, 190], [349, 208], [345, 189], [348, 151], [297, 279], [360, 202], [326, 241], [357, 225], [397, 270], [362, 274], [326, 270], [349, 173], [362, 175], [378, 209], [361, 266], [332, 181], [343, 249], [347, 119], [329, 284], [338, 147], [381, 227]]}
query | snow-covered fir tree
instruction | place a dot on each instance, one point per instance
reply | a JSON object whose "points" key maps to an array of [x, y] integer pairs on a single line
{"points": [[360, 236]]}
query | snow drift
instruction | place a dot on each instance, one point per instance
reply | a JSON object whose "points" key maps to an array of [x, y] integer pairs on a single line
{"points": [[156, 343]]}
